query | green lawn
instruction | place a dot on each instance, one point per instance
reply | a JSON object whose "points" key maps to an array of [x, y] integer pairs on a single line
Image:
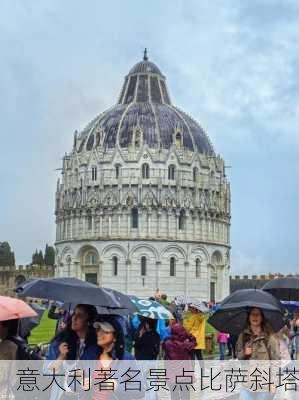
{"points": [[44, 332]]}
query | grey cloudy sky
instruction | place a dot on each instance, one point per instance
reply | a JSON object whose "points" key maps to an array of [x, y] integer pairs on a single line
{"points": [[233, 65]]}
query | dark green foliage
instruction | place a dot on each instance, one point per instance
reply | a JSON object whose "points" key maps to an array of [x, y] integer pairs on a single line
{"points": [[7, 257], [38, 258], [49, 255]]}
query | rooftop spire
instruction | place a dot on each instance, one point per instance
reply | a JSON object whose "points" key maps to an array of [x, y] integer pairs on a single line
{"points": [[145, 57]]}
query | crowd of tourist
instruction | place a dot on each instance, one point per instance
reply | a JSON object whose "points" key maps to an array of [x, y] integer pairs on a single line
{"points": [[83, 334]]}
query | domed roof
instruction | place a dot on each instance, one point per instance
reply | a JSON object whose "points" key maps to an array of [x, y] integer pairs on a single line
{"points": [[145, 66], [144, 107]]}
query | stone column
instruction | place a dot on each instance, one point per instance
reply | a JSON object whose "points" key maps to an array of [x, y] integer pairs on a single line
{"points": [[208, 228], [83, 224], [129, 222], [65, 228], [227, 231], [100, 274], [158, 267], [109, 225], [168, 222], [186, 280], [57, 230], [77, 266], [92, 223], [74, 225], [101, 223], [71, 226], [139, 229], [62, 228], [149, 213], [187, 220], [128, 263], [159, 214], [177, 215], [118, 223]]}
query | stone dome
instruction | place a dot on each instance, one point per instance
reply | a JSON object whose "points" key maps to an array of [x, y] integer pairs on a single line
{"points": [[144, 105]]}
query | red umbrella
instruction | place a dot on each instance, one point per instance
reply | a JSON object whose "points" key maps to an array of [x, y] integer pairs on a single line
{"points": [[12, 308]]}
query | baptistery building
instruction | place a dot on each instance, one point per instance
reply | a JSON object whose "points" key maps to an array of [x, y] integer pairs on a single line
{"points": [[143, 202]]}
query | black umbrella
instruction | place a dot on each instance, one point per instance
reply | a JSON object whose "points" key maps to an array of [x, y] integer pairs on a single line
{"points": [[284, 288], [27, 324], [231, 316], [75, 291]]}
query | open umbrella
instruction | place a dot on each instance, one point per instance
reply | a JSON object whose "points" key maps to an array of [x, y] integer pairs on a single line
{"points": [[27, 324], [182, 300], [283, 288], [198, 305], [150, 309], [11, 308], [291, 306], [232, 314], [75, 291]]}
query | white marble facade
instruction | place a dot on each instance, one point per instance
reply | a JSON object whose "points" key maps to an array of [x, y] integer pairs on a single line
{"points": [[140, 215]]}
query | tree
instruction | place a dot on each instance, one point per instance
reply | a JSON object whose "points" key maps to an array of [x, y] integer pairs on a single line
{"points": [[41, 260], [38, 258], [34, 258], [7, 257], [49, 255]]}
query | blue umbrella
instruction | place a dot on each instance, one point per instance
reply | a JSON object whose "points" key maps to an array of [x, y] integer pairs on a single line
{"points": [[290, 305]]}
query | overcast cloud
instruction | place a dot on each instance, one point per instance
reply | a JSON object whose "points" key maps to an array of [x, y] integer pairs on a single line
{"points": [[232, 65]]}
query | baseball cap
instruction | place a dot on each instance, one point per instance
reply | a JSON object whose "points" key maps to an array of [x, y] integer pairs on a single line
{"points": [[105, 326]]}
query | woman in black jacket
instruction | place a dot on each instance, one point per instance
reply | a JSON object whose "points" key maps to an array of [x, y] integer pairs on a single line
{"points": [[147, 340]]}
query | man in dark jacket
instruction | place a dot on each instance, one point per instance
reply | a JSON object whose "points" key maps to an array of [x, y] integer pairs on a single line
{"points": [[61, 315]]}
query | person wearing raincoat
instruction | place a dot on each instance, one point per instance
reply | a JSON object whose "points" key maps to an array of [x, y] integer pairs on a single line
{"points": [[178, 352], [194, 322], [257, 342]]}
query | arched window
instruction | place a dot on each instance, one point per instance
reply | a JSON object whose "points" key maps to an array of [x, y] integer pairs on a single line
{"points": [[89, 222], [195, 174], [178, 140], [90, 142], [94, 173], [117, 170], [172, 266], [98, 137], [134, 217], [197, 268], [182, 220], [137, 137], [90, 258], [115, 265], [143, 266], [171, 172], [217, 258], [145, 171], [76, 175]]}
